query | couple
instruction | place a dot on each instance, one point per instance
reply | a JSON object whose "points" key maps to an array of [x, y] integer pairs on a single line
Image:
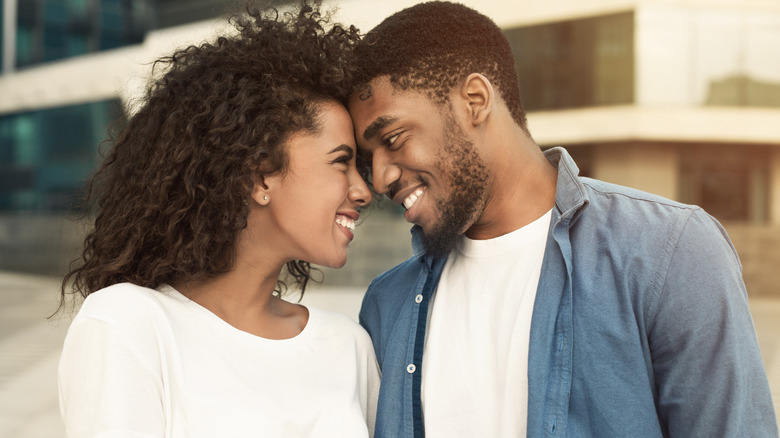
{"points": [[537, 303]]}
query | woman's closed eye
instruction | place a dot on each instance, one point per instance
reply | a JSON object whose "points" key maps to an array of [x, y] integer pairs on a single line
{"points": [[343, 159], [345, 155]]}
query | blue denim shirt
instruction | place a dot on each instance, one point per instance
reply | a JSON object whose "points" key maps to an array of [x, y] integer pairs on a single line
{"points": [[640, 327]]}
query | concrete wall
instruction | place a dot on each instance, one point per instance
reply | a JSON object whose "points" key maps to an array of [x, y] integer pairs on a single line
{"points": [[46, 244], [649, 167], [37, 243], [382, 240], [758, 247], [774, 188]]}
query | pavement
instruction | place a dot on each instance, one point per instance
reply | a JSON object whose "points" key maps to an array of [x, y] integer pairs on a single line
{"points": [[30, 346]]}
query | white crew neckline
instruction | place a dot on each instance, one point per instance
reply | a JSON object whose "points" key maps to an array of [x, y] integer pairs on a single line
{"points": [[507, 242], [224, 325]]}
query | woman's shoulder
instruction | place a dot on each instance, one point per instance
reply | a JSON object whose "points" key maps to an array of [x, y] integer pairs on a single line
{"points": [[339, 324], [120, 302]]}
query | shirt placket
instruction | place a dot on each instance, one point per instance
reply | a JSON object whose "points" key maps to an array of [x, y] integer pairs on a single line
{"points": [[414, 366]]}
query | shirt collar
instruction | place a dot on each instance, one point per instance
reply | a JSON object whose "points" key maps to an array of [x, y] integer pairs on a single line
{"points": [[570, 194]]}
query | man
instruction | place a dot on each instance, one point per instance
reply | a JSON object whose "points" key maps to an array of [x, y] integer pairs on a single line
{"points": [[537, 302]]}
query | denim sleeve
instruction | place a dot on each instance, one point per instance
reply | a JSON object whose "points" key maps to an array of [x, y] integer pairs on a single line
{"points": [[709, 374], [369, 318]]}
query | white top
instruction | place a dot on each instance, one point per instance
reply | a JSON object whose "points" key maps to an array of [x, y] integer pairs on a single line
{"points": [[139, 362], [475, 362]]}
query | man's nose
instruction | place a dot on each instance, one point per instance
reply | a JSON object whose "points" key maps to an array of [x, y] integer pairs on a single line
{"points": [[385, 172]]}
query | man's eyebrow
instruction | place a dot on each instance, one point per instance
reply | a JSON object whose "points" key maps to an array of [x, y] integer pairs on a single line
{"points": [[380, 123]]}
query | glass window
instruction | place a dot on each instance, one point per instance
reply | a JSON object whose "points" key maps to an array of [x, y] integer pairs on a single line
{"points": [[2, 32], [575, 63], [55, 43], [55, 12], [728, 181], [25, 48], [707, 56], [47, 155], [77, 7], [49, 30], [77, 45]]}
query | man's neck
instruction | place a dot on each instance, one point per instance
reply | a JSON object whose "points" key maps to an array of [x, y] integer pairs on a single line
{"points": [[522, 190]]}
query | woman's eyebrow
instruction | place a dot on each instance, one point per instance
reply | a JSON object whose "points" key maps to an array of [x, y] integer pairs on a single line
{"points": [[344, 148]]}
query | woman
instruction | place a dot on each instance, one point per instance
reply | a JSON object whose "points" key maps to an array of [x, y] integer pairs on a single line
{"points": [[240, 162]]}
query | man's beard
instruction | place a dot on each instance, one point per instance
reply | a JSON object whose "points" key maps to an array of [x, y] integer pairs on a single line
{"points": [[468, 175]]}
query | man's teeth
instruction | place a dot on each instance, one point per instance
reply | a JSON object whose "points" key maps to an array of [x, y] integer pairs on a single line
{"points": [[346, 222], [411, 199]]}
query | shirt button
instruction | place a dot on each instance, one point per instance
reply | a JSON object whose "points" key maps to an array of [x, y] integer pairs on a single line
{"points": [[411, 368], [418, 299]]}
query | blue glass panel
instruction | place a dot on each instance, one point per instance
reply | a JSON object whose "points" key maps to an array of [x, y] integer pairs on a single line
{"points": [[48, 155], [55, 43], [77, 6], [25, 50], [77, 45], [55, 12]]}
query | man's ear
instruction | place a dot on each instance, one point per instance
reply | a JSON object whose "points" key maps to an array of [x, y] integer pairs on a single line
{"points": [[478, 93]]}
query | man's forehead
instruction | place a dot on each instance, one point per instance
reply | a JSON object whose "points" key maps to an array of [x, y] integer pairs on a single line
{"points": [[365, 92], [368, 91], [379, 93]]}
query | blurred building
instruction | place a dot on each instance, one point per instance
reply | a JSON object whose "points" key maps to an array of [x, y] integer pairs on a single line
{"points": [[680, 98]]}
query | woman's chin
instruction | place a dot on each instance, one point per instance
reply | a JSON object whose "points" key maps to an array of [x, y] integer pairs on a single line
{"points": [[331, 262]]}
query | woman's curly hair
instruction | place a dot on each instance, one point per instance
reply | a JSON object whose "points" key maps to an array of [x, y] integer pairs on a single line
{"points": [[172, 194]]}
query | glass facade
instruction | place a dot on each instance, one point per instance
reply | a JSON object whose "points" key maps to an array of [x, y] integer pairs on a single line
{"points": [[177, 12], [707, 56], [48, 30], [657, 54], [47, 155], [576, 63], [729, 181]]}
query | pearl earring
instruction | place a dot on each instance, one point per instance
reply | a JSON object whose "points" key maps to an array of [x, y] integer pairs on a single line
{"points": [[265, 198]]}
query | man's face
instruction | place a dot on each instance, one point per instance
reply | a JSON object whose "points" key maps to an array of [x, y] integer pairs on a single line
{"points": [[421, 159]]}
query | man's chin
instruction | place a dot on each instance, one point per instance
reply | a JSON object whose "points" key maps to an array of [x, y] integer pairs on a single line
{"points": [[439, 242]]}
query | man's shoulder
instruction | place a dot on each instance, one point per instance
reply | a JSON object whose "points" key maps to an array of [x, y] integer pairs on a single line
{"points": [[602, 188], [616, 201], [630, 221]]}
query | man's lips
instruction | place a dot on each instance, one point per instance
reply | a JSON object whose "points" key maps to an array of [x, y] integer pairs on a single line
{"points": [[409, 196], [412, 198]]}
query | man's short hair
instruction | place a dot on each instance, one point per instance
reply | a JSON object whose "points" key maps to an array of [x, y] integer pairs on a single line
{"points": [[431, 47]]}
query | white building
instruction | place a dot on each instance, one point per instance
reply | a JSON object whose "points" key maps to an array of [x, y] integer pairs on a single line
{"points": [[676, 97]]}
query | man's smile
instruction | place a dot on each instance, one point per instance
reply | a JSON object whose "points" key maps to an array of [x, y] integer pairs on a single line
{"points": [[412, 198]]}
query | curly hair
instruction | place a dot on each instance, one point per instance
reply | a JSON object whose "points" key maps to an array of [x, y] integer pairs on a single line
{"points": [[172, 194], [430, 47]]}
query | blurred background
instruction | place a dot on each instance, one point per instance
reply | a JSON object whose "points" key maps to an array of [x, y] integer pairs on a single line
{"points": [[676, 97]]}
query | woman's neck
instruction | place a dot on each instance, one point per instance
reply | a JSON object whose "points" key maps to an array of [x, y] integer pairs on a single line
{"points": [[245, 299]]}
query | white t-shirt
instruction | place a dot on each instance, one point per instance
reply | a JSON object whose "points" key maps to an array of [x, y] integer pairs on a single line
{"points": [[475, 362], [139, 362]]}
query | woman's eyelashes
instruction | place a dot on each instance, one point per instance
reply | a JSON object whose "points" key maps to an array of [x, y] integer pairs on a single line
{"points": [[345, 159]]}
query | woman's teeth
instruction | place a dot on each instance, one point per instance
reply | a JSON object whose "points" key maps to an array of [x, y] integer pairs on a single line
{"points": [[411, 199], [346, 222]]}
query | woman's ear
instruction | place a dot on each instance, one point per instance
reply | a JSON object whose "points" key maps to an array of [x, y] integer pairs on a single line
{"points": [[478, 93], [260, 189]]}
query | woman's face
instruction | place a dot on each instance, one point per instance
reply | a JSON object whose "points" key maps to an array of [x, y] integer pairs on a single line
{"points": [[312, 208]]}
